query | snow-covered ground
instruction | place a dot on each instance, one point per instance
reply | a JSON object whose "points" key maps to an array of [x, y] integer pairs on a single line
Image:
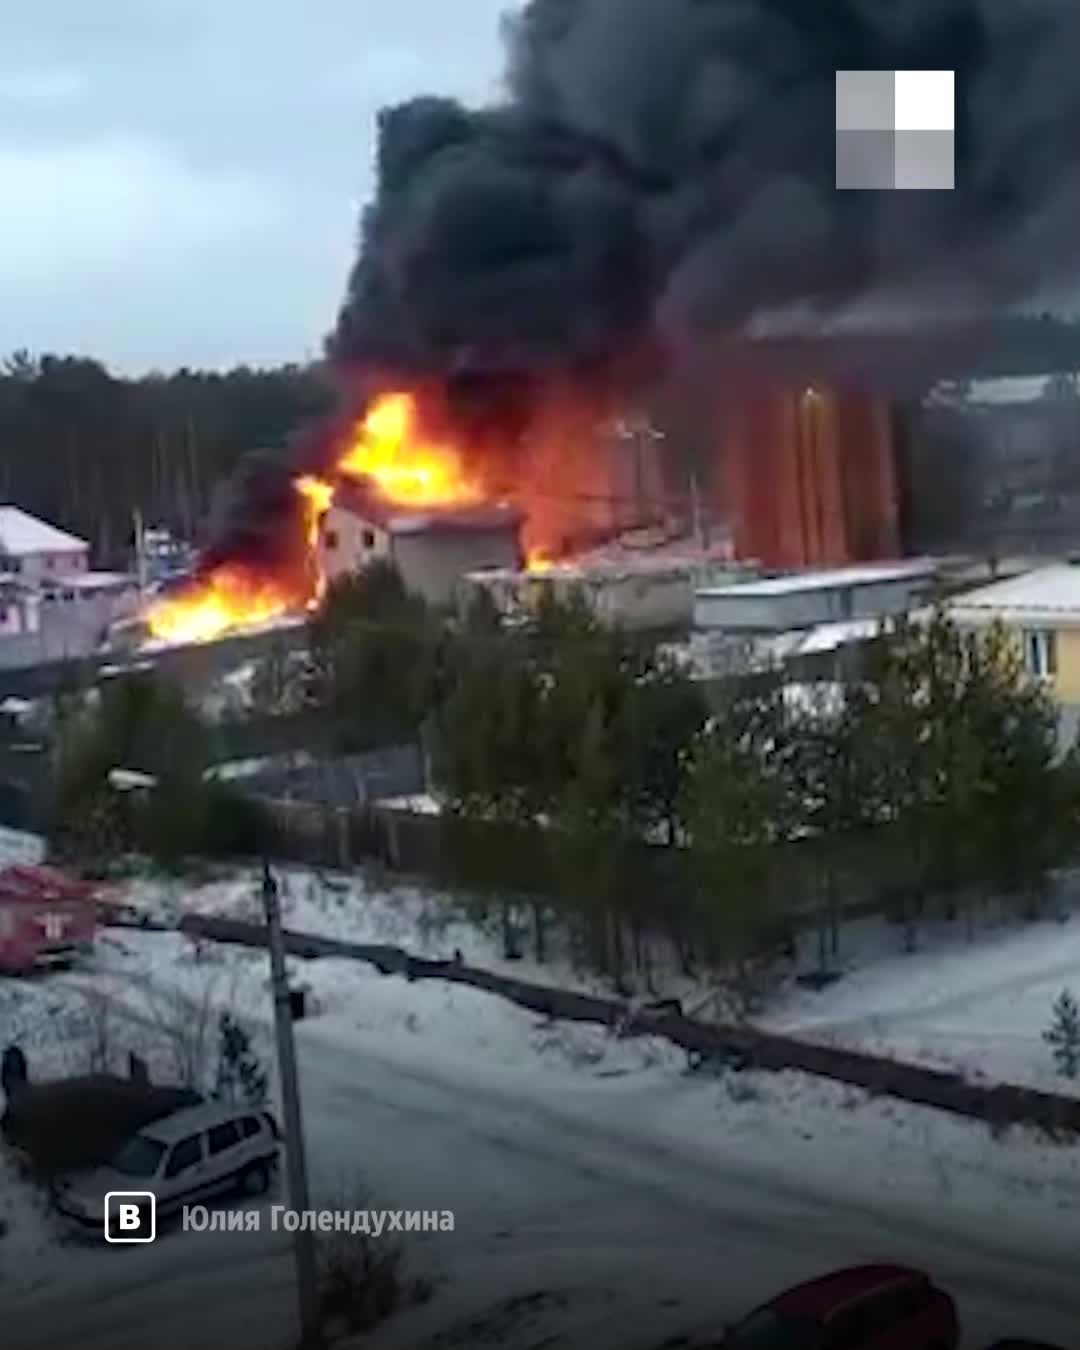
{"points": [[569, 1156], [366, 906], [975, 1004], [978, 1007]]}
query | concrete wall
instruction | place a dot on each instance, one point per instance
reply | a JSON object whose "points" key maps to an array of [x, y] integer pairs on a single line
{"points": [[433, 562]]}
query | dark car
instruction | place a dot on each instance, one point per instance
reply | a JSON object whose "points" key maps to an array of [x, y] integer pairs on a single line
{"points": [[877, 1307]]}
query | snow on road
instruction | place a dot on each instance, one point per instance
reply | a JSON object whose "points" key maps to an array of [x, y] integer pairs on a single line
{"points": [[638, 1217]]}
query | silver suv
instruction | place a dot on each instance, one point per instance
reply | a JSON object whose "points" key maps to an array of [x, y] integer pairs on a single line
{"points": [[182, 1159]]}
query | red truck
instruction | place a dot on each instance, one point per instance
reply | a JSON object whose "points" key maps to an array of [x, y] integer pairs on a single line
{"points": [[46, 918]]}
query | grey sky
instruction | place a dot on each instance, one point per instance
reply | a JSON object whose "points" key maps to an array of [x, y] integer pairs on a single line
{"points": [[181, 179]]}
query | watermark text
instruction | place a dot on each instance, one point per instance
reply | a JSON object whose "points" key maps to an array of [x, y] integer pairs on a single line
{"points": [[370, 1222]]}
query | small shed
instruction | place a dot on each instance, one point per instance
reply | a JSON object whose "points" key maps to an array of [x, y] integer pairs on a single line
{"points": [[46, 918]]}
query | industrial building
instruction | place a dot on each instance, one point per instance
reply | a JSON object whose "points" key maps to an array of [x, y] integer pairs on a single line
{"points": [[649, 587], [809, 622], [432, 548]]}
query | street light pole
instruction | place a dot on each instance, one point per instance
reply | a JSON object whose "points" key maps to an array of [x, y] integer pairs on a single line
{"points": [[295, 1157]]}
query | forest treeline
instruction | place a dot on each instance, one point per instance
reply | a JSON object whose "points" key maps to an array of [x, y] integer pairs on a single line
{"points": [[83, 448]]}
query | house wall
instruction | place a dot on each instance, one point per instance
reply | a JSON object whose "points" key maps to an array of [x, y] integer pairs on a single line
{"points": [[433, 562], [347, 543], [36, 568], [1064, 685]]}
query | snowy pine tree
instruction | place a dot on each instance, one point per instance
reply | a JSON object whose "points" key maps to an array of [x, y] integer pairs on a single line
{"points": [[240, 1074], [1063, 1035]]}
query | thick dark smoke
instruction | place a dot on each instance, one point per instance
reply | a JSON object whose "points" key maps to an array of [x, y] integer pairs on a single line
{"points": [[661, 173], [667, 167], [255, 517]]}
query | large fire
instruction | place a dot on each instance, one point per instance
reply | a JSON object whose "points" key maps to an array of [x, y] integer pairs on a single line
{"points": [[405, 467], [388, 451]]}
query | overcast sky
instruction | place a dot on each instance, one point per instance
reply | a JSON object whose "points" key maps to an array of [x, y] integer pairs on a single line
{"points": [[181, 179]]}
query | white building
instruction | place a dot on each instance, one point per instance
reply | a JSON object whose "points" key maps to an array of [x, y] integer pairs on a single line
{"points": [[433, 548], [52, 607], [35, 551]]}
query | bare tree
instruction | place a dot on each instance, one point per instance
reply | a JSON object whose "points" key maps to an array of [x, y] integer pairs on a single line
{"points": [[362, 1278], [182, 1025]]}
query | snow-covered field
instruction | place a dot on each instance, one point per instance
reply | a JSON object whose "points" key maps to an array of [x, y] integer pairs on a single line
{"points": [[978, 1005]]}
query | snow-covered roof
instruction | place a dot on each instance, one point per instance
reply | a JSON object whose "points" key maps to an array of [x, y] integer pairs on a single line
{"points": [[1009, 389], [824, 579], [1050, 594], [22, 534], [822, 637]]}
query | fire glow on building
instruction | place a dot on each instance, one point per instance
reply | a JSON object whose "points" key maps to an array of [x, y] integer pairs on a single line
{"points": [[390, 453]]}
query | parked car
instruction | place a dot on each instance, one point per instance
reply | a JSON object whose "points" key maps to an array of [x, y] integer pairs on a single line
{"points": [[184, 1158], [872, 1307]]}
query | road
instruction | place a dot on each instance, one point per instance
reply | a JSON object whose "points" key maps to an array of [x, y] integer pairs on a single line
{"points": [[569, 1233]]}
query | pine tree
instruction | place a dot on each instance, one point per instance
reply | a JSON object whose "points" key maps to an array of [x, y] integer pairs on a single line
{"points": [[1063, 1035], [240, 1074]]}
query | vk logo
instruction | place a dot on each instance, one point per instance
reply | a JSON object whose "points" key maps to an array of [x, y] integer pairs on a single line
{"points": [[130, 1216]]}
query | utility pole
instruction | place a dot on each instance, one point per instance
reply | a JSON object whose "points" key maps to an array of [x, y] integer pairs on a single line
{"points": [[701, 536], [304, 1239], [140, 551]]}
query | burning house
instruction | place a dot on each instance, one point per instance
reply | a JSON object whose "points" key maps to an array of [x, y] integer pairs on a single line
{"points": [[432, 548], [639, 205]]}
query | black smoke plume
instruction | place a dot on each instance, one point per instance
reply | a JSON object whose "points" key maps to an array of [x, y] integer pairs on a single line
{"points": [[659, 174], [667, 167]]}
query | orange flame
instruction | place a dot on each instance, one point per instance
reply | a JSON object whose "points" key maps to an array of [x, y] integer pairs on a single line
{"points": [[405, 468], [389, 451], [539, 562], [231, 596]]}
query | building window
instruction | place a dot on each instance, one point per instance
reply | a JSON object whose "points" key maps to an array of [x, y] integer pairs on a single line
{"points": [[330, 539], [369, 538], [1040, 653]]}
